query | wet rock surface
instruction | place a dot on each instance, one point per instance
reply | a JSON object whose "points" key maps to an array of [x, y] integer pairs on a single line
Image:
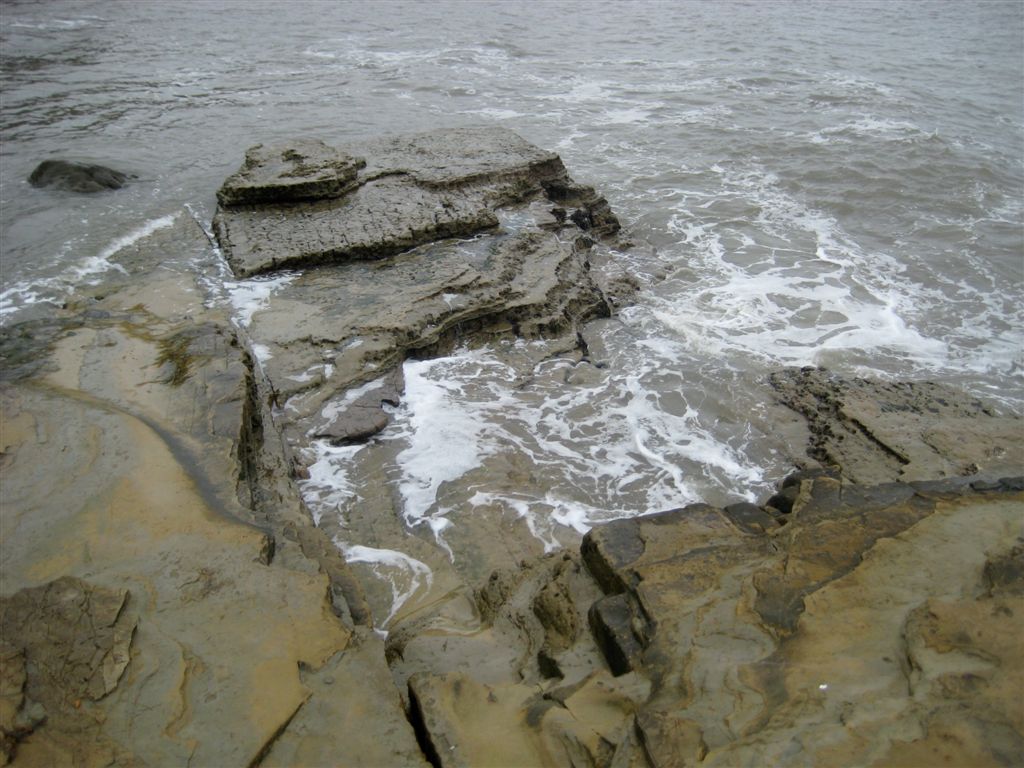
{"points": [[875, 626], [167, 599], [63, 642], [814, 628], [76, 177], [384, 197], [884, 430], [303, 170], [445, 238], [143, 490]]}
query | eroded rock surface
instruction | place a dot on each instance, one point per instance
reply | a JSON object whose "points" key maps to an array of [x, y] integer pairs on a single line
{"points": [[409, 191], [844, 620], [63, 642], [895, 430], [167, 599], [439, 238], [303, 170], [865, 625], [143, 488]]}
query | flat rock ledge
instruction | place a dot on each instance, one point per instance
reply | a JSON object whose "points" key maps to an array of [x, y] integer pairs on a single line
{"points": [[866, 613], [406, 246], [877, 431], [305, 203]]}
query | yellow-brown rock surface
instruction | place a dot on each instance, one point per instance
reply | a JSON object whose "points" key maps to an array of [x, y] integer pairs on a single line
{"points": [[120, 489]]}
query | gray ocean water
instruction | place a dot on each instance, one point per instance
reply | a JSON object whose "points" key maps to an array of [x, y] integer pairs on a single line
{"points": [[835, 183]]}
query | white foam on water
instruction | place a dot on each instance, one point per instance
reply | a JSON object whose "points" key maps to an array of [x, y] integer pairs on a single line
{"points": [[21, 294], [101, 262], [404, 573], [329, 486], [625, 116], [544, 513], [810, 292], [443, 431], [339, 405], [252, 295], [600, 452], [584, 91], [869, 127], [261, 352], [88, 270], [57, 24], [495, 113], [310, 374]]}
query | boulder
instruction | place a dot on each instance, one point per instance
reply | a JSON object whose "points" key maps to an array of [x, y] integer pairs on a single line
{"points": [[76, 177]]}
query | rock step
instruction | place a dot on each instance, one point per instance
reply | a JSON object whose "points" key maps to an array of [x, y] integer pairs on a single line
{"points": [[304, 203]]}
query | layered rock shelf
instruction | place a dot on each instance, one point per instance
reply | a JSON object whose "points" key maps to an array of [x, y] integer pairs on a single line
{"points": [[167, 599], [403, 247], [303, 203]]}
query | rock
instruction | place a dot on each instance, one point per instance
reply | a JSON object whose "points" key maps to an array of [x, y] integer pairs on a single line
{"points": [[141, 458], [875, 431], [63, 643], [466, 723], [1005, 572], [378, 277], [361, 414], [612, 622], [751, 518], [76, 177], [301, 170], [879, 625], [354, 713], [413, 190], [17, 718], [381, 218], [738, 643], [76, 636], [670, 741]]}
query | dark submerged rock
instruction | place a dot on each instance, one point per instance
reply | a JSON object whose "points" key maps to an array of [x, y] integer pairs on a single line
{"points": [[76, 177]]}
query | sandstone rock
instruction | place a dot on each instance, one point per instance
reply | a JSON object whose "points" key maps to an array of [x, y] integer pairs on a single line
{"points": [[75, 635], [844, 635], [76, 177], [301, 170], [878, 625], [412, 190], [332, 336], [172, 489], [876, 431], [362, 415], [64, 643], [379, 219], [612, 621], [354, 715], [16, 722]]}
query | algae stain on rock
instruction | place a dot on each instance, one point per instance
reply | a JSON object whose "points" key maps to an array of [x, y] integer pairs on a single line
{"points": [[175, 354]]}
